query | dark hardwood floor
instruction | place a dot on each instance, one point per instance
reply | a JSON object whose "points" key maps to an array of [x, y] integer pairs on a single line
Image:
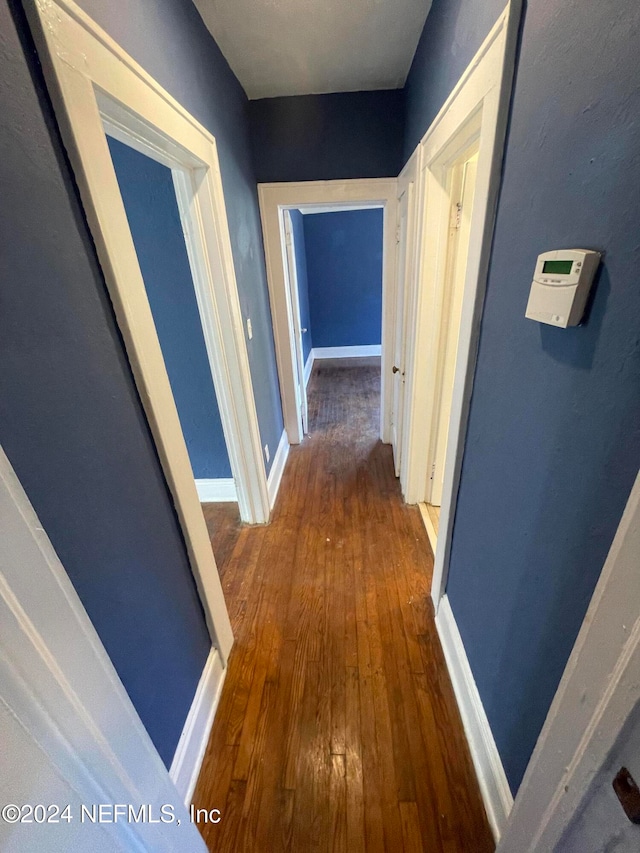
{"points": [[337, 728], [223, 522]]}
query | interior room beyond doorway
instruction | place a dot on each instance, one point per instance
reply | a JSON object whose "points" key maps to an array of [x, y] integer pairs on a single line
{"points": [[334, 269], [152, 211]]}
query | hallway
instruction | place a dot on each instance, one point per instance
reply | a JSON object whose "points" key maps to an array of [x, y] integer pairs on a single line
{"points": [[337, 727]]}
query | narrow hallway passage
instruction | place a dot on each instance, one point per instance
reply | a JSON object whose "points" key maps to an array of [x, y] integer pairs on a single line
{"points": [[337, 727]]}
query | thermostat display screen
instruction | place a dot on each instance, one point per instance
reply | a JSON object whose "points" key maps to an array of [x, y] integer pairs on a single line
{"points": [[557, 267]]}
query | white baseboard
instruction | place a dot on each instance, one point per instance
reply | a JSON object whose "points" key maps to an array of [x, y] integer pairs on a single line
{"points": [[308, 368], [277, 469], [187, 760], [347, 352], [492, 779], [216, 491], [428, 523]]}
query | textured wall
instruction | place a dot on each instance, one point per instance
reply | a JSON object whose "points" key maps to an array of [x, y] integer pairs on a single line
{"points": [[170, 41], [344, 271], [152, 210], [453, 32], [328, 137], [553, 443], [71, 421], [297, 225]]}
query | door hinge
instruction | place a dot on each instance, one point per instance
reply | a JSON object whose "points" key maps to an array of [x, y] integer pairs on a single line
{"points": [[456, 218], [433, 471], [397, 234]]}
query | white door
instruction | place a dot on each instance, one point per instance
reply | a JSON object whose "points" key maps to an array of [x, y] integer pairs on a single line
{"points": [[70, 736], [463, 184], [292, 276], [399, 336]]}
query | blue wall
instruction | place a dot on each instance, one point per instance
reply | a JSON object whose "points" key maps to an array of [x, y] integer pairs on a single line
{"points": [[553, 443], [299, 246], [328, 137], [453, 32], [170, 41], [71, 421], [152, 210], [344, 272]]}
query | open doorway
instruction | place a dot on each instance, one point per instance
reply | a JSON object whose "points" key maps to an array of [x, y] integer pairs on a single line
{"points": [[325, 198], [187, 297], [460, 183], [333, 272], [151, 204], [152, 211]]}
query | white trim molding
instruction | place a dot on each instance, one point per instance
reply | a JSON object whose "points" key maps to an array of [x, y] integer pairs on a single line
{"points": [[277, 468], [308, 367], [347, 352], [476, 111], [192, 745], [432, 534], [217, 491], [344, 208], [332, 195], [492, 779]]}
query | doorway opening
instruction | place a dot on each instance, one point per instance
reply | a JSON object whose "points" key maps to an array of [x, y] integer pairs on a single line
{"points": [[151, 205], [186, 296], [320, 198], [460, 183], [333, 270]]}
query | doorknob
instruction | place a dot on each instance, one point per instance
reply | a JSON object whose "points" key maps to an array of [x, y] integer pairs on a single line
{"points": [[395, 369], [303, 331]]}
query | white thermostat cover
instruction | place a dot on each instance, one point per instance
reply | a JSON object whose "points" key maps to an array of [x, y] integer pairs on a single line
{"points": [[560, 287]]}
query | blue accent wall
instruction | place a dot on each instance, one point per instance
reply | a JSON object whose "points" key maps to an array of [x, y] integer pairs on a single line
{"points": [[300, 250], [71, 421], [344, 272], [452, 34], [553, 443], [152, 210], [170, 41], [328, 137]]}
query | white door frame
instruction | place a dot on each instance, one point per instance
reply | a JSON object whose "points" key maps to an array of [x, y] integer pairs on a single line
{"points": [[86, 742], [328, 195], [97, 87], [447, 326], [291, 276], [94, 84], [599, 690], [477, 106]]}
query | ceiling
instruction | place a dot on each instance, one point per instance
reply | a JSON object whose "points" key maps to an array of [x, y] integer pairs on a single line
{"points": [[302, 47]]}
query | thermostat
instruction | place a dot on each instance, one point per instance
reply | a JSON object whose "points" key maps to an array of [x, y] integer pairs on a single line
{"points": [[561, 285]]}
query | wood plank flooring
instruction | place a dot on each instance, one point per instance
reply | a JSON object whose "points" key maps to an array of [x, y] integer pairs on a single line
{"points": [[337, 728]]}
